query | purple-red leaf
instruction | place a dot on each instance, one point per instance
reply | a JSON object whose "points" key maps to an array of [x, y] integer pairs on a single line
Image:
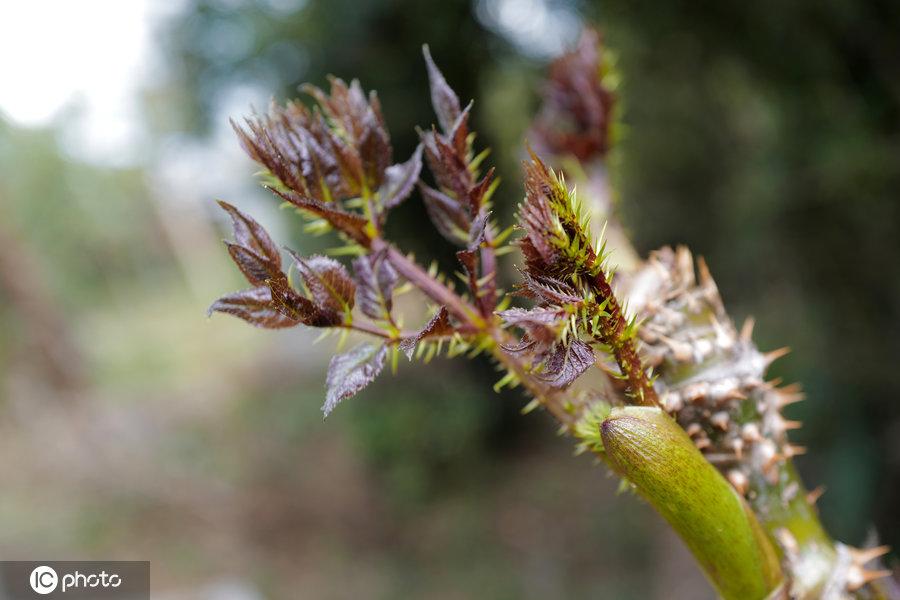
{"points": [[439, 325], [254, 306], [469, 260], [364, 147], [250, 234], [543, 324], [459, 135], [291, 304], [376, 280], [443, 98], [566, 363], [330, 286], [448, 167], [254, 267], [548, 289], [374, 149], [351, 371], [446, 215], [477, 230], [399, 180], [350, 224], [478, 191]]}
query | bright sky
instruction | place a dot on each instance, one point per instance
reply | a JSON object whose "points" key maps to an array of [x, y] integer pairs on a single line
{"points": [[82, 63], [90, 55]]}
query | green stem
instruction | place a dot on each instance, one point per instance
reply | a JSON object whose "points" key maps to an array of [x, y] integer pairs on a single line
{"points": [[789, 518]]}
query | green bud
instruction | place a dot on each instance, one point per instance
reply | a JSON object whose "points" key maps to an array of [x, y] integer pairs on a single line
{"points": [[647, 447]]}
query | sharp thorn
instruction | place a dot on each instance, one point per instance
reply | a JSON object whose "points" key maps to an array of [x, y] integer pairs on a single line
{"points": [[770, 357], [739, 481], [720, 420], [863, 555], [693, 429], [771, 462], [703, 271], [738, 446], [735, 394], [792, 388], [747, 329], [813, 495], [791, 451], [858, 577], [786, 398]]}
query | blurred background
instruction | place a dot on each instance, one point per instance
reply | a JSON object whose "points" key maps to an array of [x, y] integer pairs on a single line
{"points": [[765, 135]]}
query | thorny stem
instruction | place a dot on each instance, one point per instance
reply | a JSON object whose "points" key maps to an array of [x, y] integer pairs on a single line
{"points": [[489, 267], [432, 288], [793, 523], [623, 347], [442, 294], [370, 329], [787, 512]]}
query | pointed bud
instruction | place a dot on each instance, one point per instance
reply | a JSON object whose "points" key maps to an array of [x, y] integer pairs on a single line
{"points": [[647, 447]]}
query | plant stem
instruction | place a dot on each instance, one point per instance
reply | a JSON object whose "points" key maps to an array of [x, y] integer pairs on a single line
{"points": [[432, 288], [614, 330]]}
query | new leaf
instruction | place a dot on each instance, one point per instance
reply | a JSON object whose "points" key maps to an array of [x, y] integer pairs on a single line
{"points": [[350, 372]]}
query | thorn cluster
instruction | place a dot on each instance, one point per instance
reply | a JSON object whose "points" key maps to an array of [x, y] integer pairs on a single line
{"points": [[712, 377]]}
